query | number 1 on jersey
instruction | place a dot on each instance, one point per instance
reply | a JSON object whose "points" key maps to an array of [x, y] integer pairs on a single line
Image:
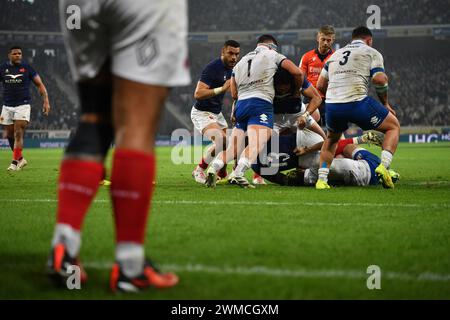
{"points": [[249, 64]]}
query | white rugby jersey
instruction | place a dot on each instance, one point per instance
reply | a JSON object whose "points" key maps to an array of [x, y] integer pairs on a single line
{"points": [[349, 71], [254, 73]]}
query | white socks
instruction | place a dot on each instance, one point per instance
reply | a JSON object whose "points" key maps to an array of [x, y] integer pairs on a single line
{"points": [[216, 164], [386, 158], [130, 256], [323, 174], [242, 166], [68, 236]]}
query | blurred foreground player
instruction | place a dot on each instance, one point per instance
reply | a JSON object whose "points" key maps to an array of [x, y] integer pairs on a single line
{"points": [[124, 58], [16, 77]]}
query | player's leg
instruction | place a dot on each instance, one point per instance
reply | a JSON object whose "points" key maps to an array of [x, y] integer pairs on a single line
{"points": [[391, 129], [19, 131], [233, 150], [217, 135], [81, 171], [389, 125], [258, 136], [9, 132], [135, 121], [326, 158]]}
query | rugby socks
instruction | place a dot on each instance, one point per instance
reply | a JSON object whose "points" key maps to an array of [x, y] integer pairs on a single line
{"points": [[11, 142], [222, 172], [217, 164], [203, 164], [341, 145], [206, 160], [70, 237], [131, 192], [17, 154], [386, 158], [323, 172], [78, 183], [243, 165], [131, 258]]}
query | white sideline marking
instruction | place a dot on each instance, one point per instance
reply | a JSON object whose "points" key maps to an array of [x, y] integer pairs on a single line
{"points": [[288, 273], [267, 203]]}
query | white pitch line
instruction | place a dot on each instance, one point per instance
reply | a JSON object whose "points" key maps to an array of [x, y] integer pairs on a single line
{"points": [[267, 203], [288, 273]]}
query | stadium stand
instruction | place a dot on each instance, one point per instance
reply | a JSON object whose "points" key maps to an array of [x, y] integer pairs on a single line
{"points": [[418, 68]]}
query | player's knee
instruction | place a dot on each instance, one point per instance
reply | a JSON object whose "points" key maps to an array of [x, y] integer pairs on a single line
{"points": [[91, 140]]}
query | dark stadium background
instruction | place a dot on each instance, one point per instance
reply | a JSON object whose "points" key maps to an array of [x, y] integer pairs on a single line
{"points": [[417, 59]]}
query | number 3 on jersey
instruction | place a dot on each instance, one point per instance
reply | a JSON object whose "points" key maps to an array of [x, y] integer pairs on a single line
{"points": [[345, 58]]}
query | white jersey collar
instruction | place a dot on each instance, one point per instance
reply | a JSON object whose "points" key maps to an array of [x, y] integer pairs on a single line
{"points": [[358, 41]]}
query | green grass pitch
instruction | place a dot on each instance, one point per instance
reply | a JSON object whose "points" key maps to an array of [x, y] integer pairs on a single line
{"points": [[269, 243]]}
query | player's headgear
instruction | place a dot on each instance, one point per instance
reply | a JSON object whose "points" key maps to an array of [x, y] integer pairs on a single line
{"points": [[361, 32]]}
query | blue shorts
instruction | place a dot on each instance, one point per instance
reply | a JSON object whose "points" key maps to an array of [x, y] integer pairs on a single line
{"points": [[253, 111], [368, 114], [372, 160]]}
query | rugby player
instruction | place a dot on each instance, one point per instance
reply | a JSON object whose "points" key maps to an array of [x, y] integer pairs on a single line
{"points": [[206, 114], [345, 79], [16, 77], [124, 58], [313, 61], [353, 165]]}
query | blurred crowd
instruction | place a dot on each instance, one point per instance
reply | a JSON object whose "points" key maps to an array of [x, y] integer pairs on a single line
{"points": [[418, 78], [234, 15]]}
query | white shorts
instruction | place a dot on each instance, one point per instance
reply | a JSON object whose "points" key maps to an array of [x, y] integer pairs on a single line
{"points": [[9, 114], [202, 119], [283, 121], [145, 40]]}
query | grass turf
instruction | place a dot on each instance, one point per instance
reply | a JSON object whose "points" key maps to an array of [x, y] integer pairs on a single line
{"points": [[269, 243]]}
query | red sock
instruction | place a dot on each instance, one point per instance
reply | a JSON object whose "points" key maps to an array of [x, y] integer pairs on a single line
{"points": [[78, 184], [131, 192], [203, 164], [341, 145], [17, 154], [255, 175], [222, 172]]}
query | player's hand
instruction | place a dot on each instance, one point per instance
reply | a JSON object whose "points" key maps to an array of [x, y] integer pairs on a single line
{"points": [[226, 86], [391, 110], [301, 151], [301, 122], [46, 108]]}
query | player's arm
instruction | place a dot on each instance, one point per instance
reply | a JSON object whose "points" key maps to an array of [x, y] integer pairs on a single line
{"points": [[289, 66], [203, 91], [322, 82], [43, 92], [306, 120], [300, 151], [234, 95], [380, 79]]}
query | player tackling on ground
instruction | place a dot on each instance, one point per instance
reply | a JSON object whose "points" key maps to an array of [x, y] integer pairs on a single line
{"points": [[345, 78], [124, 58], [16, 77]]}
